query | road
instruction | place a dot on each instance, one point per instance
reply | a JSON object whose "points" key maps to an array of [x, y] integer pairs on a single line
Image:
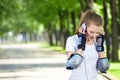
{"points": [[30, 62]]}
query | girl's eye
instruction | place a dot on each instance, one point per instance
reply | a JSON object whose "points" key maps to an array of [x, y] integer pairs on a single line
{"points": [[94, 32], [91, 32], [97, 33]]}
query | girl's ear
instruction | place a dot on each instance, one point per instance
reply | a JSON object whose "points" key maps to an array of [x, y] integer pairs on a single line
{"points": [[80, 29]]}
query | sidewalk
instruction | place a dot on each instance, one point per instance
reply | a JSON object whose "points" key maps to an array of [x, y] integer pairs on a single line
{"points": [[34, 69], [49, 66]]}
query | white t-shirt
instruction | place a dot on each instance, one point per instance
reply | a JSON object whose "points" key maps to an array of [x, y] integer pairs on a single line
{"points": [[87, 69]]}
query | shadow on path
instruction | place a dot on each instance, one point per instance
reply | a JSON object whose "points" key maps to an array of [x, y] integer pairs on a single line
{"points": [[17, 67]]}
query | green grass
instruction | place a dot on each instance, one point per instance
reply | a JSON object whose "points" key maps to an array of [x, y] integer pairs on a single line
{"points": [[44, 45], [115, 68], [57, 48], [54, 48]]}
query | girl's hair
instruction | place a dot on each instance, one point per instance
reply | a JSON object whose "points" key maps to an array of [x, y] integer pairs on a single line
{"points": [[90, 17]]}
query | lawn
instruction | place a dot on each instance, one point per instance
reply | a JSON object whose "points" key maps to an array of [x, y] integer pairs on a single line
{"points": [[115, 69]]}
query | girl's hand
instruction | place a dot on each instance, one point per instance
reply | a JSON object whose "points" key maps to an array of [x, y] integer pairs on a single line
{"points": [[102, 32]]}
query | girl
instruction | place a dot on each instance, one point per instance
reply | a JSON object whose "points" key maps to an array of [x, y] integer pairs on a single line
{"points": [[84, 44]]}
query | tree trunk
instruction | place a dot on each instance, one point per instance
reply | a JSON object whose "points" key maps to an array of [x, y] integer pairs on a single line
{"points": [[49, 30], [119, 23], [107, 38], [114, 31], [61, 16], [1, 37], [50, 40], [73, 21], [24, 36], [56, 36], [90, 4], [45, 35], [85, 5], [30, 36]]}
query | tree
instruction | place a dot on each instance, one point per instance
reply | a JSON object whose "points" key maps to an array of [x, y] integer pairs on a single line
{"points": [[114, 31], [106, 28]]}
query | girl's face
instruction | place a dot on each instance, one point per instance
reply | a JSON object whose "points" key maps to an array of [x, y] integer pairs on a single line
{"points": [[93, 31]]}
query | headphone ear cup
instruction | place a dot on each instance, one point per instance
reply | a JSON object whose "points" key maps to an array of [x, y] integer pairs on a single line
{"points": [[84, 27]]}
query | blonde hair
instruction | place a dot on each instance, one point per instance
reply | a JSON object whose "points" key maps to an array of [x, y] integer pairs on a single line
{"points": [[90, 17]]}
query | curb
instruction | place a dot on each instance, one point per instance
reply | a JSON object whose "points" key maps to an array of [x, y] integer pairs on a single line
{"points": [[107, 76]]}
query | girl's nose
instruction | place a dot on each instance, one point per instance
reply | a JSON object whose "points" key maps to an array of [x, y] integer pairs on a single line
{"points": [[94, 36]]}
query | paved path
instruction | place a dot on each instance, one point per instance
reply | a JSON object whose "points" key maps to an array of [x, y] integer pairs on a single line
{"points": [[29, 62]]}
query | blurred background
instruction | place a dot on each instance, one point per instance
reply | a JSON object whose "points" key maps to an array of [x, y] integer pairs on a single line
{"points": [[46, 24]]}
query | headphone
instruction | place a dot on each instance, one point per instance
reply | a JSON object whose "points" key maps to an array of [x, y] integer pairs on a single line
{"points": [[84, 27]]}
